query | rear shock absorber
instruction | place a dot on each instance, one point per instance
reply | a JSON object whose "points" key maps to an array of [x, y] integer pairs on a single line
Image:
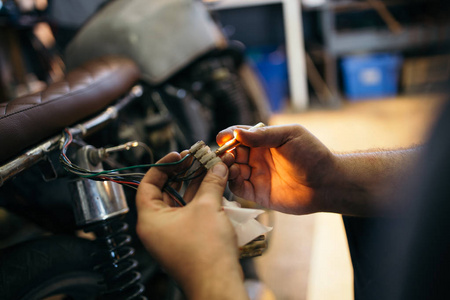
{"points": [[115, 262], [99, 207]]}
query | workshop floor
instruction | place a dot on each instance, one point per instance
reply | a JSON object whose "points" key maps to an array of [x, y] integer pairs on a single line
{"points": [[308, 258]]}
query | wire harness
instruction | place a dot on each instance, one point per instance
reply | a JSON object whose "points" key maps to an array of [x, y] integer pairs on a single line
{"points": [[204, 155], [121, 176], [202, 159], [200, 152]]}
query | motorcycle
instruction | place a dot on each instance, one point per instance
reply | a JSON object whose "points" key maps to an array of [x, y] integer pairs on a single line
{"points": [[201, 76], [71, 235], [35, 264]]}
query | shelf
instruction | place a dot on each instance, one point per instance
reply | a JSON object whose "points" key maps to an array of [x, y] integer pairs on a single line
{"points": [[422, 25], [352, 5], [293, 27], [230, 4], [367, 40]]}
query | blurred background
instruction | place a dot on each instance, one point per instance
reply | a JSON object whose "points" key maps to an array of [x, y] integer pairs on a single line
{"points": [[359, 74]]}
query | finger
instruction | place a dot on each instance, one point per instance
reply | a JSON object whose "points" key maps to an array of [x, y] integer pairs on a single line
{"points": [[213, 186], [239, 173], [238, 187], [228, 134], [158, 175], [192, 189], [149, 197], [177, 186], [183, 170], [229, 158], [234, 172], [184, 167], [154, 180], [271, 136], [184, 153], [242, 155], [245, 171]]}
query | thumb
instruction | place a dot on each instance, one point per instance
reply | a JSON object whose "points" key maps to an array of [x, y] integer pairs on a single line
{"points": [[271, 137], [213, 185]]}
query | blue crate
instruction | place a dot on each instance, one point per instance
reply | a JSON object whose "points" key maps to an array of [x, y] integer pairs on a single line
{"points": [[270, 62], [371, 76]]}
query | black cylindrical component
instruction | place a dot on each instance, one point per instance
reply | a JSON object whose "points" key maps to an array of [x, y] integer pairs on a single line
{"points": [[114, 260]]}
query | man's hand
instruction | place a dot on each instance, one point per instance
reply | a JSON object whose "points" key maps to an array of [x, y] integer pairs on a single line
{"points": [[287, 169], [196, 244], [279, 167]]}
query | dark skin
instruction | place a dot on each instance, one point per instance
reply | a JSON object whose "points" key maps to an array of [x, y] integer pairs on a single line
{"points": [[271, 167], [288, 169]]}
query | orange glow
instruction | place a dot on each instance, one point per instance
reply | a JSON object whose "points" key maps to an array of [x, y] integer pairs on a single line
{"points": [[229, 142], [231, 153], [222, 142], [235, 134]]}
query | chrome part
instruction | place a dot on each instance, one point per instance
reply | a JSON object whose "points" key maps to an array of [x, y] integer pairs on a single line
{"points": [[28, 159], [103, 153], [36, 154], [126, 146], [96, 200], [92, 125]]}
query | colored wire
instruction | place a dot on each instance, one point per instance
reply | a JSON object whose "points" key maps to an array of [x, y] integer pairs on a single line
{"points": [[175, 200], [128, 179], [190, 176], [174, 194], [92, 174]]}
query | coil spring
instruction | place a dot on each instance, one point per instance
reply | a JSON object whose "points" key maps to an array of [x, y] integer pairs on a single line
{"points": [[114, 261]]}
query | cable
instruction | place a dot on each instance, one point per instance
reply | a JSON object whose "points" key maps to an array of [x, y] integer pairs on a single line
{"points": [[148, 150], [128, 179], [92, 174], [175, 200], [199, 153], [174, 194], [191, 175]]}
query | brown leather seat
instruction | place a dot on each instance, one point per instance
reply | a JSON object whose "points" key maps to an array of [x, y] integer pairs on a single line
{"points": [[84, 91]]}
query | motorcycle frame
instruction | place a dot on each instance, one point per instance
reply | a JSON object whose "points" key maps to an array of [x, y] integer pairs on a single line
{"points": [[39, 152]]}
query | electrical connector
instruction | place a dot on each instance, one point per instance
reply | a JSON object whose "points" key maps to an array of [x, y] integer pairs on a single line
{"points": [[204, 154], [209, 158]]}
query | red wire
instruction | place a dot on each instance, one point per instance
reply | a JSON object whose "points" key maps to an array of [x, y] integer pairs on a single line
{"points": [[175, 199], [136, 184], [119, 181], [68, 143], [125, 182]]}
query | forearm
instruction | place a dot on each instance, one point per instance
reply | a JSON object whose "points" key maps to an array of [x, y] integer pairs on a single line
{"points": [[222, 283], [365, 184]]}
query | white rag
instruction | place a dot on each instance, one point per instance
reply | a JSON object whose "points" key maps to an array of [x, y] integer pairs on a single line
{"points": [[243, 219]]}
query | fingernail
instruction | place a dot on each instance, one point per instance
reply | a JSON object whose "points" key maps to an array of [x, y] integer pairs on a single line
{"points": [[220, 169]]}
